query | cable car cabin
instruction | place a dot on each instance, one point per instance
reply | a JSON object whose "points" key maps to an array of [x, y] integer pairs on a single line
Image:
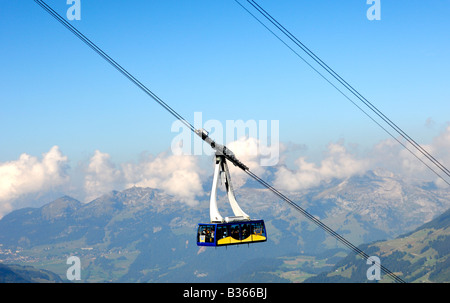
{"points": [[221, 234]]}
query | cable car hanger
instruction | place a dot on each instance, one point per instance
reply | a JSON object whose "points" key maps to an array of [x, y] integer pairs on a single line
{"points": [[221, 169], [221, 150]]}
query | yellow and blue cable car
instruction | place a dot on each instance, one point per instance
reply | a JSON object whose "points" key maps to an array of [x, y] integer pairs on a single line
{"points": [[238, 229], [232, 233]]}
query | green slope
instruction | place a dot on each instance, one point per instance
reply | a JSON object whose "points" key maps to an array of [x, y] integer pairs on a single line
{"points": [[14, 273], [419, 256]]}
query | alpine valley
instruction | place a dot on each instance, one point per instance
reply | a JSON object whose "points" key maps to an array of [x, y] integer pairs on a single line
{"points": [[146, 235]]}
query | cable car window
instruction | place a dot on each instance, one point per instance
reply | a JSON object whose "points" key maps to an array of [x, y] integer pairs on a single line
{"points": [[245, 231], [201, 234], [209, 234], [258, 229], [206, 233], [222, 232], [235, 234]]}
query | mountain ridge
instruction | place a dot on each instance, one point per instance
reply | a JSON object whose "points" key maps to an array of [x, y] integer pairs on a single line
{"points": [[145, 235]]}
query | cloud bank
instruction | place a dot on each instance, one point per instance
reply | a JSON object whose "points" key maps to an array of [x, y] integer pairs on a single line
{"points": [[338, 163], [179, 176], [29, 175], [176, 175], [182, 175], [101, 176], [388, 154]]}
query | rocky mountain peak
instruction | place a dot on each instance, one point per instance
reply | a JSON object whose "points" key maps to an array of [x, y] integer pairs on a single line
{"points": [[61, 207]]}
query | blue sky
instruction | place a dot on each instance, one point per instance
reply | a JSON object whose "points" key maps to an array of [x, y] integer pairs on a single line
{"points": [[212, 57]]}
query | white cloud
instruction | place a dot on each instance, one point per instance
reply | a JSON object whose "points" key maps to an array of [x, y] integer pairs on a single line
{"points": [[101, 176], [439, 149], [441, 145], [29, 175], [338, 163], [256, 155], [389, 154], [177, 175]]}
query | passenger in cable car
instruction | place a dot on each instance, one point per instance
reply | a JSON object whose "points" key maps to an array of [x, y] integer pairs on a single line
{"points": [[245, 233], [235, 232]]}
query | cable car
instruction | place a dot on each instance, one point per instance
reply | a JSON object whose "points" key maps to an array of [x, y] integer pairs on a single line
{"points": [[220, 234], [234, 230]]}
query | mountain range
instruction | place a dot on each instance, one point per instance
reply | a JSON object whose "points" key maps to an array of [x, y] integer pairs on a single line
{"points": [[146, 235]]}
